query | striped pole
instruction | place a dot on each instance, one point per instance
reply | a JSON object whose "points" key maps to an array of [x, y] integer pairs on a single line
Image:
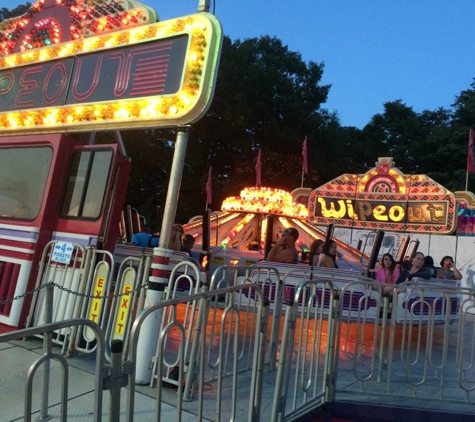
{"points": [[148, 338]]}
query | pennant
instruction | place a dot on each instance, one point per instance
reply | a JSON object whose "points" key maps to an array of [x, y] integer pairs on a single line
{"points": [[209, 198], [304, 156], [471, 152], [258, 170]]}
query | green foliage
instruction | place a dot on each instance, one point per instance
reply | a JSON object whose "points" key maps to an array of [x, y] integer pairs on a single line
{"points": [[268, 98], [17, 11]]}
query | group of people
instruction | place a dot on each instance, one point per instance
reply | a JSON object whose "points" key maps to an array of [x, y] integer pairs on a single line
{"points": [[322, 254], [390, 272], [179, 241]]}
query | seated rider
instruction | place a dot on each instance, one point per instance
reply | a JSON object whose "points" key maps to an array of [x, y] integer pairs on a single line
{"points": [[415, 270], [141, 239], [284, 249], [175, 241], [188, 242]]}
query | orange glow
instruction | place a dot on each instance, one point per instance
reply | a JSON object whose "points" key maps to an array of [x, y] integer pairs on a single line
{"points": [[237, 228], [265, 201]]}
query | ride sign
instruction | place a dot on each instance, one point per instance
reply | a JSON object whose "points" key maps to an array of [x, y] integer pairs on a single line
{"points": [[384, 198], [156, 75], [62, 252]]}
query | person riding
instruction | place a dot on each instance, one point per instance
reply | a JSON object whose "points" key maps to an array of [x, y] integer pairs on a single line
{"points": [[188, 242], [448, 270], [429, 263], [141, 239], [284, 249], [417, 270], [315, 251], [175, 243], [328, 255], [387, 273]]}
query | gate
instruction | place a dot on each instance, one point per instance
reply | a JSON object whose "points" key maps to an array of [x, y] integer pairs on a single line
{"points": [[217, 365]]}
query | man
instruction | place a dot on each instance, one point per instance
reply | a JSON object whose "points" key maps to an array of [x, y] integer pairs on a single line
{"points": [[284, 250], [141, 239], [188, 242]]}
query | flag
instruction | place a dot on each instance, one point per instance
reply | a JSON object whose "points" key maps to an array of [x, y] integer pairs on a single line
{"points": [[471, 152], [209, 198], [258, 170], [304, 156]]}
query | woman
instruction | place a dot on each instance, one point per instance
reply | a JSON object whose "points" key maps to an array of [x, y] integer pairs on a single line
{"points": [[448, 270], [417, 270], [175, 242], [388, 273], [315, 250], [328, 255]]}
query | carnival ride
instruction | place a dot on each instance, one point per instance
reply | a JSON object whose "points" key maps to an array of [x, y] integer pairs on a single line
{"points": [[240, 229]]}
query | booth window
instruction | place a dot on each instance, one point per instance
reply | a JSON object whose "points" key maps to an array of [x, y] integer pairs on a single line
{"points": [[23, 176], [87, 184]]}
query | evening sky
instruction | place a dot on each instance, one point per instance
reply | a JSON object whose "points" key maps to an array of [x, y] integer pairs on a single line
{"points": [[374, 51]]}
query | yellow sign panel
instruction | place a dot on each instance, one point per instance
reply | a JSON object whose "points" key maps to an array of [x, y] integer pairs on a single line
{"points": [[97, 301], [123, 311], [124, 305]]}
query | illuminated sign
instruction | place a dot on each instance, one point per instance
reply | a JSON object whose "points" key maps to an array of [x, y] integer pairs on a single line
{"points": [[156, 75], [265, 201], [384, 198], [125, 73]]}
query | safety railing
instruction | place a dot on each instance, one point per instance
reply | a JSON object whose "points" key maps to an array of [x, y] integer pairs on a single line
{"points": [[233, 365], [421, 346], [331, 335], [38, 393]]}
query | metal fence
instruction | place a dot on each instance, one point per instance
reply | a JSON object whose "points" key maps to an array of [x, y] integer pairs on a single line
{"points": [[272, 343]]}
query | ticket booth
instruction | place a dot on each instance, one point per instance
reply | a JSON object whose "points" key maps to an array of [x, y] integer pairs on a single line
{"points": [[53, 187]]}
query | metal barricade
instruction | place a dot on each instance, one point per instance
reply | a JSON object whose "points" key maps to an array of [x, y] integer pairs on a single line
{"points": [[421, 346], [184, 281], [232, 366], [45, 410], [305, 356], [71, 277], [270, 281]]}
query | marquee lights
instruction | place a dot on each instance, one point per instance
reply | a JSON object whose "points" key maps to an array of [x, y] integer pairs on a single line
{"points": [[266, 201], [372, 174], [384, 198], [87, 18], [39, 47]]}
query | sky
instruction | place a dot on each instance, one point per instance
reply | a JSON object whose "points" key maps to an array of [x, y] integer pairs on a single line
{"points": [[374, 51]]}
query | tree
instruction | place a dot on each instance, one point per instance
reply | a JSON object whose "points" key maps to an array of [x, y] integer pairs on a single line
{"points": [[17, 11], [431, 142], [266, 97]]}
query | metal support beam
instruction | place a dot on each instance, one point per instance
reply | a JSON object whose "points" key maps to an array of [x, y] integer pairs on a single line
{"points": [[203, 6]]}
